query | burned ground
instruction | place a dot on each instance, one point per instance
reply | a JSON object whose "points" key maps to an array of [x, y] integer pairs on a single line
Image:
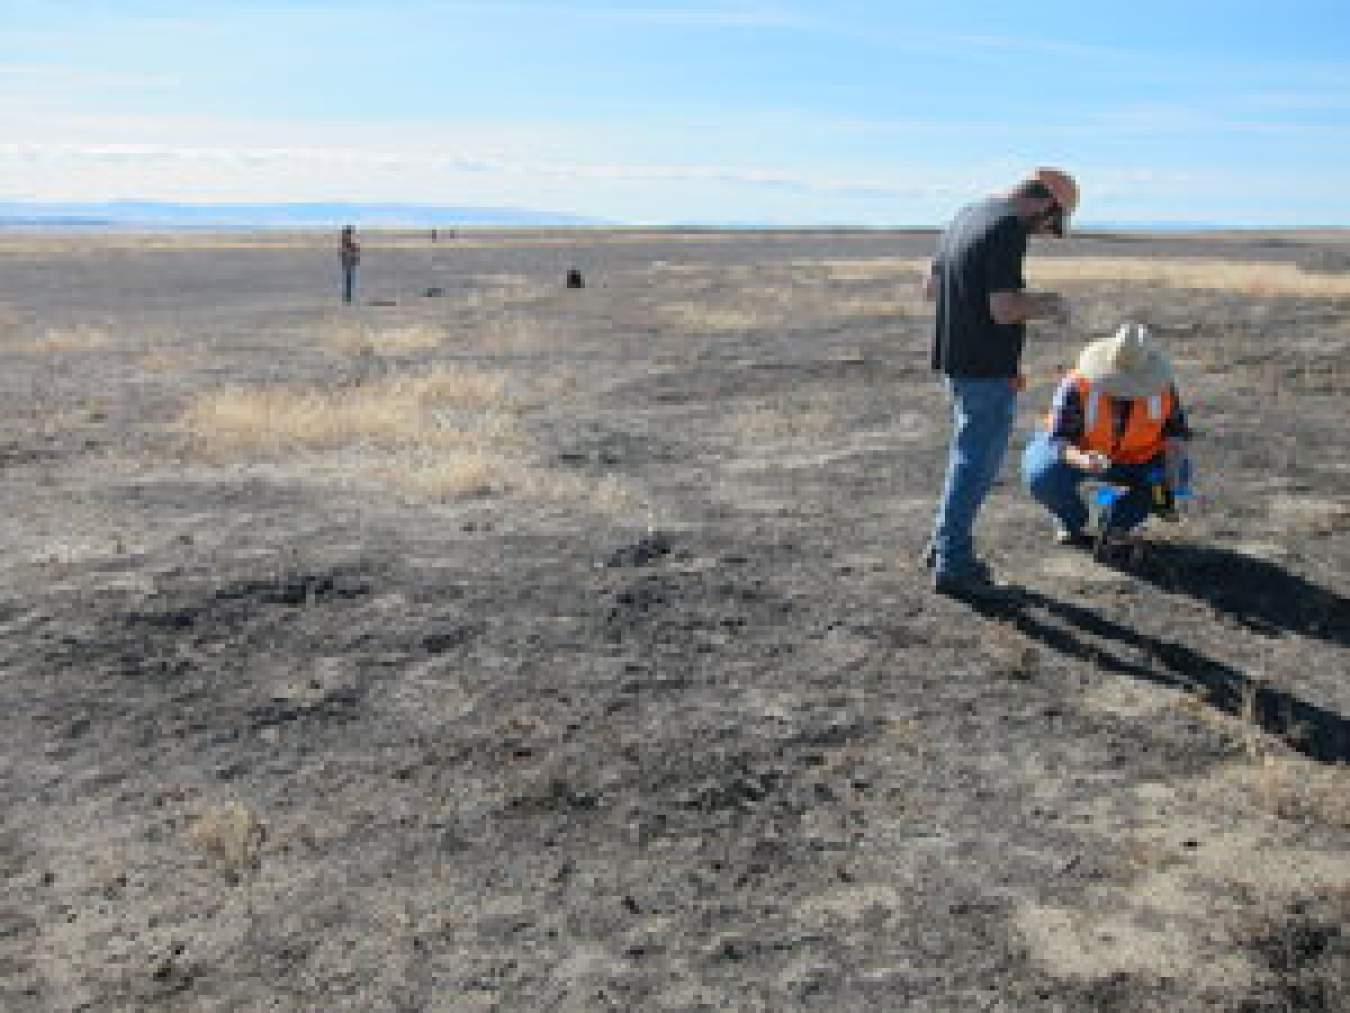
{"points": [[651, 707]]}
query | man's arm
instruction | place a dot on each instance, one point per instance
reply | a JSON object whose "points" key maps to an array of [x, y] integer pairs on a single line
{"points": [[1019, 307], [1009, 300]]}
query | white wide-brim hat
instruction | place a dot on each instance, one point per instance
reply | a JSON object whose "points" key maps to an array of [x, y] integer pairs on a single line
{"points": [[1128, 364]]}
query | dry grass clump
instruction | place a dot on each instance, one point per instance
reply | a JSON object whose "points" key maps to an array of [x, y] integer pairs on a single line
{"points": [[904, 303], [803, 296], [1297, 789], [357, 339], [1011, 654], [10, 320], [782, 420], [1252, 279], [449, 433], [501, 291], [165, 361], [700, 317], [1279, 782], [608, 493], [903, 270], [506, 334], [61, 342], [231, 837], [427, 410], [472, 472], [1314, 514], [480, 473]]}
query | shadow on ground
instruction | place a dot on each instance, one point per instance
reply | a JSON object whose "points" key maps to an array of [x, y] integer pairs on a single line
{"points": [[1257, 593], [1316, 732]]}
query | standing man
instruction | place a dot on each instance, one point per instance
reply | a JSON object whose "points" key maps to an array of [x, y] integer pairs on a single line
{"points": [[349, 255], [982, 310]]}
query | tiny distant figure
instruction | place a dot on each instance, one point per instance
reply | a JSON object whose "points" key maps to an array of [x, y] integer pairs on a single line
{"points": [[349, 255], [434, 235], [574, 279]]}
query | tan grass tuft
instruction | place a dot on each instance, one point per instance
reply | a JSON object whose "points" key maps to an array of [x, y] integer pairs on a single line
{"points": [[1296, 789], [59, 342], [607, 493], [507, 334], [1253, 279], [231, 837], [703, 318], [417, 410], [445, 434], [470, 473], [782, 421], [482, 472], [356, 339], [903, 270], [10, 320], [806, 293]]}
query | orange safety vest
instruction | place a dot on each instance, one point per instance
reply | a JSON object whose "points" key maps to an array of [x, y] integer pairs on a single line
{"points": [[1142, 439]]}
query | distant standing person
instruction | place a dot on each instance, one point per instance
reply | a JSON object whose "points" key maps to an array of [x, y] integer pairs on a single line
{"points": [[982, 309], [349, 255]]}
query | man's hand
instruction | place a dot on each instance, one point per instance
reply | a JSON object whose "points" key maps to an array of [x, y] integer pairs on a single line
{"points": [[1094, 463]]}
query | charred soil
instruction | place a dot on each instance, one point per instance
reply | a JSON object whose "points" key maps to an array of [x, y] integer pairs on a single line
{"points": [[572, 650]]}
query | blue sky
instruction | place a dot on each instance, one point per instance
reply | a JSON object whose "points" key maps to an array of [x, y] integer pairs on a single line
{"points": [[870, 113]]}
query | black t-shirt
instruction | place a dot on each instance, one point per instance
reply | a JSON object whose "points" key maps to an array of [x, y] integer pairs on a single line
{"points": [[981, 252]]}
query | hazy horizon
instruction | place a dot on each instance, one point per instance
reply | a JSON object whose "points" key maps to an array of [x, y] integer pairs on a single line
{"points": [[165, 215]]}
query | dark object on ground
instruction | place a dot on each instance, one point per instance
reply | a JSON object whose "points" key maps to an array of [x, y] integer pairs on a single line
{"points": [[383, 302], [641, 552], [434, 292], [574, 279]]}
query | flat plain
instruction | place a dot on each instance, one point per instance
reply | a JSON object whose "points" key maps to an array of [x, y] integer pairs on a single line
{"points": [[494, 645]]}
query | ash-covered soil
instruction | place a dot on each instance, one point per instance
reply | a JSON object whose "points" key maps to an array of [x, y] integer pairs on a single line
{"points": [[278, 736]]}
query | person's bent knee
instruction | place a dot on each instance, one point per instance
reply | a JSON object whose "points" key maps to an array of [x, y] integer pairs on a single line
{"points": [[1041, 465]]}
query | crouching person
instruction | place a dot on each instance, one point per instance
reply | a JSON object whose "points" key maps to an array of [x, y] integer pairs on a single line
{"points": [[1117, 419]]}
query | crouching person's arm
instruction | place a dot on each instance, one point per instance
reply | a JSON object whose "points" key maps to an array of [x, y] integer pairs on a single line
{"points": [[1067, 428], [1177, 463], [1176, 446]]}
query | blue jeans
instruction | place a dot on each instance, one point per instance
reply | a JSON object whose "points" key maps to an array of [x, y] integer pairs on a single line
{"points": [[348, 283], [983, 411], [1055, 485]]}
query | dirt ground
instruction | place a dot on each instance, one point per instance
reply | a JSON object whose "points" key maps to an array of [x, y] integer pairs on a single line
{"points": [[494, 645]]}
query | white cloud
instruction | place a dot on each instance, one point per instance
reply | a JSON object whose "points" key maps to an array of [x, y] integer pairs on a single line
{"points": [[64, 78], [78, 161]]}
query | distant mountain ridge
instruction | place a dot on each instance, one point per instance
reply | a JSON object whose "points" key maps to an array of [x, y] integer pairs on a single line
{"points": [[155, 215], [152, 214]]}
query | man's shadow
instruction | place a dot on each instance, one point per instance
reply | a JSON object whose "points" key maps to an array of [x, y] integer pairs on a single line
{"points": [[1259, 594], [1256, 593]]}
